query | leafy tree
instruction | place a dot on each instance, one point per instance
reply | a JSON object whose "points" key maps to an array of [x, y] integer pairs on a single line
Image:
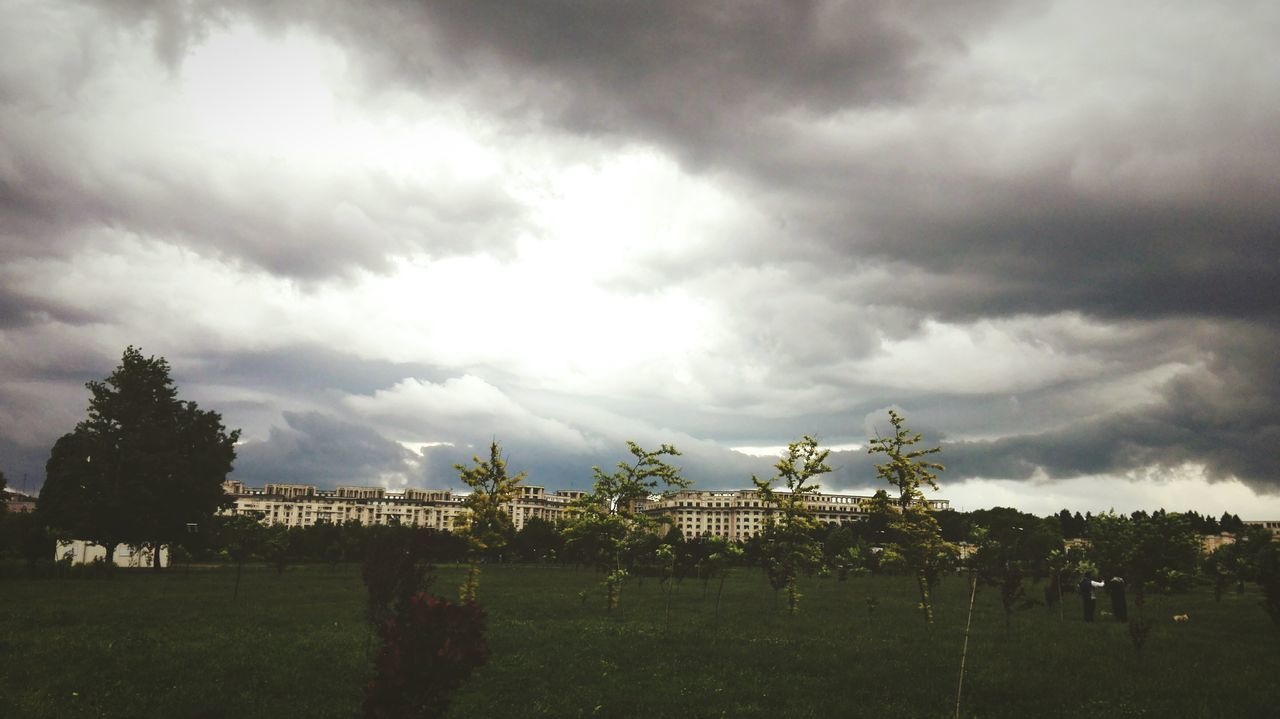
{"points": [[607, 527], [789, 543], [239, 538], [1267, 567], [723, 554], [538, 540], [1159, 549], [487, 525], [141, 466], [917, 542], [1011, 547]]}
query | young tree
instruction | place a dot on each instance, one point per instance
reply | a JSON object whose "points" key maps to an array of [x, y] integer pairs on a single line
{"points": [[917, 542], [789, 543], [607, 525], [487, 525], [143, 464]]}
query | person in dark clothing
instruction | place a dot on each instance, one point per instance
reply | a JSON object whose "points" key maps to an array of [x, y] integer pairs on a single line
{"points": [[1119, 607], [1087, 585]]}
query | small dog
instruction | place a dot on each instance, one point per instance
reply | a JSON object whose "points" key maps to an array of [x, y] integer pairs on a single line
{"points": [[1181, 618]]}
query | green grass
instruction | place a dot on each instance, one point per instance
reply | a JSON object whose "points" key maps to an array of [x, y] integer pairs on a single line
{"points": [[175, 645]]}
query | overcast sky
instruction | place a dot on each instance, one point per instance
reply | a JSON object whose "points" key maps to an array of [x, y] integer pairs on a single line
{"points": [[377, 235]]}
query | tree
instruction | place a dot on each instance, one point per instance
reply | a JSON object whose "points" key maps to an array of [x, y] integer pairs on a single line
{"points": [[789, 543], [1160, 549], [141, 466], [607, 527], [239, 538], [917, 542], [486, 525]]}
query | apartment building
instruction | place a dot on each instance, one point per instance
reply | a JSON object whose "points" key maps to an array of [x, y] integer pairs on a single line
{"points": [[303, 505], [741, 514], [733, 514], [1271, 525]]}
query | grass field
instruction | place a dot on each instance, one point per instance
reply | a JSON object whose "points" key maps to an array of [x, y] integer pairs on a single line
{"points": [[175, 645]]}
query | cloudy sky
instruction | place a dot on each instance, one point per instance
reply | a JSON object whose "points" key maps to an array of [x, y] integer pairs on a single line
{"points": [[377, 235]]}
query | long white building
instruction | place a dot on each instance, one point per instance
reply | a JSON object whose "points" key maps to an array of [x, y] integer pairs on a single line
{"points": [[741, 513], [733, 514], [303, 505]]}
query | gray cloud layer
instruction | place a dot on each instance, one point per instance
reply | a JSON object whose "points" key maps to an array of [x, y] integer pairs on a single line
{"points": [[1091, 187]]}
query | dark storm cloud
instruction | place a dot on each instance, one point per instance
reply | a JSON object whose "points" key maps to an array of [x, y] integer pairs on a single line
{"points": [[318, 449], [307, 369], [1052, 249], [699, 75], [1224, 416], [18, 310]]}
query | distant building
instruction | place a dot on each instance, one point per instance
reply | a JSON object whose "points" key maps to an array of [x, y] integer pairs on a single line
{"points": [[732, 514], [78, 551], [741, 513], [1210, 542], [19, 502], [303, 505], [1271, 525]]}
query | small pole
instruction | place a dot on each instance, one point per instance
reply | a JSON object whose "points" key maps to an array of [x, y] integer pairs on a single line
{"points": [[965, 650]]}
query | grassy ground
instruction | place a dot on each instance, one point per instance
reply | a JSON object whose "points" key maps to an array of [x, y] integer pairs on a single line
{"points": [[175, 645]]}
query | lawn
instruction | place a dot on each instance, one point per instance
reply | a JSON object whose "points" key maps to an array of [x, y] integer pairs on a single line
{"points": [[176, 645]]}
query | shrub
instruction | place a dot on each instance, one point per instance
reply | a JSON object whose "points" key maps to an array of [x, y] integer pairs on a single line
{"points": [[429, 647]]}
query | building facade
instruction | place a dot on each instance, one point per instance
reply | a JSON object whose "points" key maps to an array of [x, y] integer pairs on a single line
{"points": [[303, 505], [741, 514], [732, 514]]}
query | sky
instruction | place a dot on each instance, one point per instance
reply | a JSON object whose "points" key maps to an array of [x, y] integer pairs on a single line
{"points": [[377, 236]]}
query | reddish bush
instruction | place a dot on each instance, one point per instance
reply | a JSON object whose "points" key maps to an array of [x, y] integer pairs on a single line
{"points": [[429, 647]]}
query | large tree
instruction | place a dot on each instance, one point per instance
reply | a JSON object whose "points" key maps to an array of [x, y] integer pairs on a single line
{"points": [[143, 464]]}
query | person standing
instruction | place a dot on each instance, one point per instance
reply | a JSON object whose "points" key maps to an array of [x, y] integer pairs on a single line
{"points": [[1087, 585], [1119, 607]]}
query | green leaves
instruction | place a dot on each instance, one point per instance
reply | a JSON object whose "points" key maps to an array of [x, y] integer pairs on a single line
{"points": [[905, 470], [487, 525], [142, 464], [790, 546], [917, 542]]}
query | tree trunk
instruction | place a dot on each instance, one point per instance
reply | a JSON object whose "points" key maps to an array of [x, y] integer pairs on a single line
{"points": [[155, 560]]}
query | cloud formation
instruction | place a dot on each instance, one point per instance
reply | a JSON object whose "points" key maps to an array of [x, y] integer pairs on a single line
{"points": [[377, 236]]}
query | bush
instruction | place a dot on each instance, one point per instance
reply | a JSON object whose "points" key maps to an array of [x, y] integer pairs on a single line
{"points": [[430, 646]]}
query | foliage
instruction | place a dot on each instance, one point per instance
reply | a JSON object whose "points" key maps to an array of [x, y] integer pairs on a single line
{"points": [[143, 463], [487, 525], [613, 588], [430, 646], [789, 543], [1143, 549], [1267, 564], [905, 470], [607, 530], [538, 540], [916, 538], [392, 574]]}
